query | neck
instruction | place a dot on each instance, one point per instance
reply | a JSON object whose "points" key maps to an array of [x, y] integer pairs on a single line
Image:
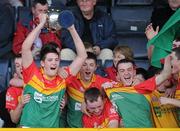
{"points": [[46, 76], [49, 77], [88, 15], [85, 80]]}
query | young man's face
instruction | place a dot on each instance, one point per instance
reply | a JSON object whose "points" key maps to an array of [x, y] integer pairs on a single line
{"points": [[18, 66], [175, 63], [126, 72], [86, 5], [117, 57], [39, 9], [51, 64], [96, 107], [88, 69]]}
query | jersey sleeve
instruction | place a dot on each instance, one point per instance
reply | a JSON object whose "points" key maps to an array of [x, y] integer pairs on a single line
{"points": [[11, 99], [29, 72], [111, 112], [147, 86], [86, 122]]}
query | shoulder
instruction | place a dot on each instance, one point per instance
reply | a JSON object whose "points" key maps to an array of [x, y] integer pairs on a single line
{"points": [[110, 69], [14, 89], [101, 79]]}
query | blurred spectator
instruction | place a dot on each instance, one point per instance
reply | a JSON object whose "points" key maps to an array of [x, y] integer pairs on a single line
{"points": [[58, 4], [16, 3], [4, 115], [93, 26], [6, 28], [161, 14], [141, 74], [25, 26]]}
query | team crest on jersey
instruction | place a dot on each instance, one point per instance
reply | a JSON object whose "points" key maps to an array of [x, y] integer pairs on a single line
{"points": [[112, 110], [38, 97], [9, 97]]}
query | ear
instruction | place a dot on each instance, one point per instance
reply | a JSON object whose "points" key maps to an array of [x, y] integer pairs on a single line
{"points": [[42, 63], [94, 2], [134, 70], [96, 67], [33, 10]]}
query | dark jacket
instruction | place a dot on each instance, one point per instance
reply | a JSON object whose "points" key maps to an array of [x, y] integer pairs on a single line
{"points": [[102, 30], [6, 27]]}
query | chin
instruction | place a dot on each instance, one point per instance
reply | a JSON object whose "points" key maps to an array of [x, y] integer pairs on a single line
{"points": [[53, 74], [128, 83], [87, 79], [97, 114]]}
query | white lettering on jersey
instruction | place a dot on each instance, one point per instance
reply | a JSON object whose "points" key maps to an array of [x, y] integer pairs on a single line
{"points": [[78, 106]]}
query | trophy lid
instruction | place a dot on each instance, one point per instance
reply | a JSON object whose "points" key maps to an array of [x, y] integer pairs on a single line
{"points": [[66, 18]]}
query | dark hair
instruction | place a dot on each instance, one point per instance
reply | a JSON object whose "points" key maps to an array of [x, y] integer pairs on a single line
{"points": [[49, 48], [177, 38], [177, 52], [125, 61], [92, 94], [42, 2], [142, 72], [87, 45], [153, 71], [17, 56], [91, 55]]}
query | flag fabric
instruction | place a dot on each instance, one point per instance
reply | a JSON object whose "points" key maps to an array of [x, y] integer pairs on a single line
{"points": [[163, 40], [132, 106]]}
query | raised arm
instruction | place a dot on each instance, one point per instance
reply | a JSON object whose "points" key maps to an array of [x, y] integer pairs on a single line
{"points": [[113, 124], [166, 73], [151, 33], [16, 114], [171, 101], [80, 49], [27, 57]]}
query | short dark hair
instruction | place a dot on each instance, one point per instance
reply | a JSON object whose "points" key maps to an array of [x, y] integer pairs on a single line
{"points": [[91, 55], [17, 56], [49, 48], [142, 72], [154, 70], [177, 38], [92, 94], [177, 52], [125, 61], [87, 45], [42, 2]]}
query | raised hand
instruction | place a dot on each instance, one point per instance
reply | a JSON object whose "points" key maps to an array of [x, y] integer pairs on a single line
{"points": [[24, 99], [42, 18], [109, 84], [150, 32]]}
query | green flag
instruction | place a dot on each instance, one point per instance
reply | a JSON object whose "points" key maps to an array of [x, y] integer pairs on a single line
{"points": [[133, 107], [163, 40]]}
